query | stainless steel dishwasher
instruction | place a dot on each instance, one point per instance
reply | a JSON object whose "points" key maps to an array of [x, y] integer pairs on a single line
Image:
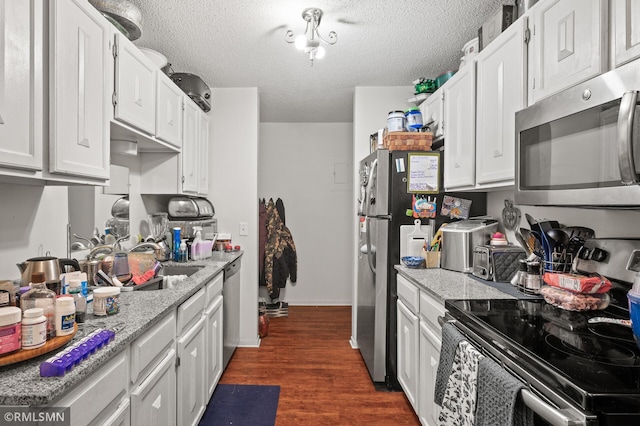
{"points": [[231, 310]]}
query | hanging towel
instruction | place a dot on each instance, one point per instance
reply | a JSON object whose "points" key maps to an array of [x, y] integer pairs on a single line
{"points": [[451, 337], [498, 397], [460, 395]]}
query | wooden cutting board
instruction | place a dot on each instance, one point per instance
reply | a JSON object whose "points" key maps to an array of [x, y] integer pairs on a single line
{"points": [[412, 238]]}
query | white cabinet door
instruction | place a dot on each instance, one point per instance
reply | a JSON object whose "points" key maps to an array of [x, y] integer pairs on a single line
{"points": [[625, 31], [153, 402], [135, 86], [190, 146], [122, 415], [500, 93], [459, 119], [432, 112], [408, 353], [191, 380], [213, 328], [20, 84], [91, 401], [168, 110], [430, 345], [569, 41], [79, 103], [203, 169]]}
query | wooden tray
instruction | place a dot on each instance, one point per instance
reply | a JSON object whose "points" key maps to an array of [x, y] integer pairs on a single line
{"points": [[50, 345]]}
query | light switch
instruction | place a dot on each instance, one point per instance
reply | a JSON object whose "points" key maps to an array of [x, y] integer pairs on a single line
{"points": [[244, 228]]}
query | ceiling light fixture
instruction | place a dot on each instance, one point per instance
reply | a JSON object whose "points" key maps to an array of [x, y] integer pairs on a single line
{"points": [[310, 40]]}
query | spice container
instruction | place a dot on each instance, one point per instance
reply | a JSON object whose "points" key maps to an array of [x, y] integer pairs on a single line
{"points": [[65, 315], [10, 329], [106, 301], [533, 282], [396, 121], [34, 329], [7, 293]]}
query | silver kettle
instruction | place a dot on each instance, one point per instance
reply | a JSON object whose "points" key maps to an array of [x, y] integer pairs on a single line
{"points": [[51, 266]]}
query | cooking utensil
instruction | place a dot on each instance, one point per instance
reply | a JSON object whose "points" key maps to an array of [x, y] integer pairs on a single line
{"points": [[124, 13], [617, 321], [580, 232], [91, 268], [194, 87], [120, 209], [521, 240]]}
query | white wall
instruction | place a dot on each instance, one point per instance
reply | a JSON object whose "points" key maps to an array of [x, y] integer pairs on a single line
{"points": [[309, 166], [605, 223], [371, 105], [33, 221], [233, 181]]}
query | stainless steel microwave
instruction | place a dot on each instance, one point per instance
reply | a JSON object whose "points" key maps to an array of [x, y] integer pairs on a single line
{"points": [[581, 146]]}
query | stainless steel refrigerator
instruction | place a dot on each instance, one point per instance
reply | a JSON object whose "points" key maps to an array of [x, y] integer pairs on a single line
{"points": [[383, 202]]}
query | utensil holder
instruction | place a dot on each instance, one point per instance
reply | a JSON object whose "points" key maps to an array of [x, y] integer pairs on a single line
{"points": [[432, 258]]}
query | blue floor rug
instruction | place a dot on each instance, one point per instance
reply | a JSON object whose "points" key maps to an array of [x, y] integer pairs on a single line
{"points": [[242, 405]]}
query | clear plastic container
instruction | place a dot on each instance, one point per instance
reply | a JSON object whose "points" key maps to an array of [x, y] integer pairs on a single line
{"points": [[41, 297], [571, 301]]}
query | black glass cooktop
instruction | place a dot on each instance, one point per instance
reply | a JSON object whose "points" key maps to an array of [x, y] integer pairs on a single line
{"points": [[595, 365]]}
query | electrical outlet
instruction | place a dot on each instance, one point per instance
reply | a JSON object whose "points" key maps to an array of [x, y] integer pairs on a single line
{"points": [[244, 228]]}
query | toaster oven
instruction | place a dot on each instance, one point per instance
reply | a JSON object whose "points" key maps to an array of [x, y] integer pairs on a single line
{"points": [[497, 263]]}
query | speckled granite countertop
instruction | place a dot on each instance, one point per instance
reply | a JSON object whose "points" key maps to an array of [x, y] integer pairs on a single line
{"points": [[449, 285], [139, 310]]}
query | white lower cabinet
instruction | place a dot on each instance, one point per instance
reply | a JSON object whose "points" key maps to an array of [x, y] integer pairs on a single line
{"points": [[430, 346], [213, 315], [122, 415], [93, 400], [191, 380], [418, 347], [153, 402], [408, 353]]}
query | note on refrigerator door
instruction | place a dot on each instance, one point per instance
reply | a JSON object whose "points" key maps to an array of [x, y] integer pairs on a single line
{"points": [[424, 170]]}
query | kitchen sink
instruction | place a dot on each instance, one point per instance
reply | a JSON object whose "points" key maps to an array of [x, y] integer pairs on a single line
{"points": [[179, 270], [168, 271]]}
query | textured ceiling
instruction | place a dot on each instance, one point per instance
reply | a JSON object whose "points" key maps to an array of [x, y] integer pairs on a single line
{"points": [[234, 43]]}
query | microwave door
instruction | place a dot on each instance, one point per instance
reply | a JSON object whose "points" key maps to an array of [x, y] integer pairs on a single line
{"points": [[582, 157]]}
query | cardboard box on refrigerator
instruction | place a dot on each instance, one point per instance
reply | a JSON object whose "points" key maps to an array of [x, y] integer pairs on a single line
{"points": [[499, 22]]}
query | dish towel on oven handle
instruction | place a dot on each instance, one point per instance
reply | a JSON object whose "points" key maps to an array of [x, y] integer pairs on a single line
{"points": [[461, 392], [451, 337], [498, 400]]}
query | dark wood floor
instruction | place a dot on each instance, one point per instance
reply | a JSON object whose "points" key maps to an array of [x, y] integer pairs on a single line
{"points": [[323, 381]]}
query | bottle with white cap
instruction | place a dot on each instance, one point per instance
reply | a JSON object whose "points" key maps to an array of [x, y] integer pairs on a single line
{"points": [[34, 329], [65, 315], [75, 290]]}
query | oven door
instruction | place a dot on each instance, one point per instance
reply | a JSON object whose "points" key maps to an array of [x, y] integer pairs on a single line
{"points": [[580, 147], [548, 407]]}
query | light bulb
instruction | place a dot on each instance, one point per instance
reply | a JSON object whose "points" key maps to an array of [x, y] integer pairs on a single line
{"points": [[301, 42], [320, 52]]}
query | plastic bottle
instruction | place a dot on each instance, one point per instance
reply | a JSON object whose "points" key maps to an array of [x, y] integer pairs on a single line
{"points": [[65, 315], [176, 244], [196, 246], [34, 329], [75, 290], [182, 254], [41, 297]]}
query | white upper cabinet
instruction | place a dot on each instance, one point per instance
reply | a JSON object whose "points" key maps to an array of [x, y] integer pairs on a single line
{"points": [[190, 147], [79, 103], [625, 31], [203, 156], [432, 110], [168, 110], [20, 85], [569, 42], [135, 86], [501, 69], [459, 119]]}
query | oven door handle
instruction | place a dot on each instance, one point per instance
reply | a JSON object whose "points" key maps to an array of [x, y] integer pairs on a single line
{"points": [[626, 117], [546, 411]]}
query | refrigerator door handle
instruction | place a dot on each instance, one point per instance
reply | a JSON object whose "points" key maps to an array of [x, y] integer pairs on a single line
{"points": [[370, 249], [370, 198]]}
